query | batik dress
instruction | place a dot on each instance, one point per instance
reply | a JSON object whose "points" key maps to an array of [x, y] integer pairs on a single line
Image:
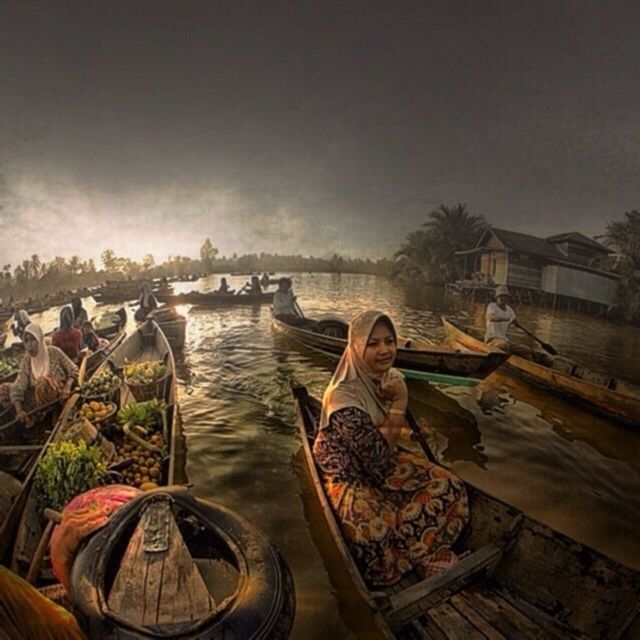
{"points": [[398, 511]]}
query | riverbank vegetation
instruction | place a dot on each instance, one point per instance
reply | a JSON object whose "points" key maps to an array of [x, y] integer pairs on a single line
{"points": [[428, 254], [33, 277], [623, 236]]}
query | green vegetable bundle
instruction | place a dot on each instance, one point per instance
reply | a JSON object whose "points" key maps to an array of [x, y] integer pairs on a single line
{"points": [[146, 414], [66, 470], [6, 368]]}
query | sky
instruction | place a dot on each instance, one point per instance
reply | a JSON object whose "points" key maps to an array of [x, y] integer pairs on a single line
{"points": [[309, 127]]}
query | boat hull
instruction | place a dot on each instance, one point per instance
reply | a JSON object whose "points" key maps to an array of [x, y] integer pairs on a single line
{"points": [[621, 407], [432, 359]]}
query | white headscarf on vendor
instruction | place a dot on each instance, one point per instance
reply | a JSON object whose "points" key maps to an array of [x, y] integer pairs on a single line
{"points": [[39, 362], [353, 383]]}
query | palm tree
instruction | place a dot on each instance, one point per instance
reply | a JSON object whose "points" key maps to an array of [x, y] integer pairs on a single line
{"points": [[453, 229], [624, 237], [429, 253]]}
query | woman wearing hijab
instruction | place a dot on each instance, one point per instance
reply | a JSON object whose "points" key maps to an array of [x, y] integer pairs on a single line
{"points": [[147, 302], [45, 373], [398, 510], [22, 321], [66, 337], [252, 288], [80, 315], [224, 286]]}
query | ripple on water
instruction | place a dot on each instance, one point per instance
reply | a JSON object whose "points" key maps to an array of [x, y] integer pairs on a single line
{"points": [[576, 472]]}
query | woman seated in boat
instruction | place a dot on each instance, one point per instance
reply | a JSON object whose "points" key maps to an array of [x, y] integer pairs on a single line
{"points": [[22, 321], [224, 287], [80, 315], [91, 339], [398, 510], [265, 281], [44, 375], [284, 303], [253, 288], [66, 337], [147, 302]]}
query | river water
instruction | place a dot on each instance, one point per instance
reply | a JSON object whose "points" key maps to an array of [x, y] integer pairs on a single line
{"points": [[561, 465]]}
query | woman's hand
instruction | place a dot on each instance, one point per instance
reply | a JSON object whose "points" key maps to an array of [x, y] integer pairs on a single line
{"points": [[66, 391], [393, 388], [21, 416]]}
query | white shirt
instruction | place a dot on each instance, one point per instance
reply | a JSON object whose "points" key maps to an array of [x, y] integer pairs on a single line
{"points": [[498, 329], [283, 303]]}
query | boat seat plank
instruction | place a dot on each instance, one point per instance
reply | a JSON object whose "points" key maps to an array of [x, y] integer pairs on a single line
{"points": [[506, 619], [459, 602], [123, 597], [454, 625], [409, 603], [169, 590]]}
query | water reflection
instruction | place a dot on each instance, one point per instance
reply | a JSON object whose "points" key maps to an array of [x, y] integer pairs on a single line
{"points": [[561, 464]]}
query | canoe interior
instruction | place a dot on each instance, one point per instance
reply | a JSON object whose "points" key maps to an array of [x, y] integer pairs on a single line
{"points": [[328, 337], [147, 343], [612, 397], [536, 582]]}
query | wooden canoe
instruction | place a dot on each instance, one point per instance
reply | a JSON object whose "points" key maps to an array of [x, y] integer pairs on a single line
{"points": [[330, 337], [20, 452], [215, 300], [608, 396], [521, 579], [107, 325], [173, 325], [147, 343]]}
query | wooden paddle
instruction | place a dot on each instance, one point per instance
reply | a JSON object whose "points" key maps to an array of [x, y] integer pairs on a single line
{"points": [[549, 348], [420, 437], [299, 310]]}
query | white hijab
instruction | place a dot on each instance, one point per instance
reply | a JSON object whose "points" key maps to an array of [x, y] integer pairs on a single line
{"points": [[39, 362], [353, 383]]}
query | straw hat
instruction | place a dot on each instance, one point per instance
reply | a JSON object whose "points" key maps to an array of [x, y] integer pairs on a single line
{"points": [[502, 291]]}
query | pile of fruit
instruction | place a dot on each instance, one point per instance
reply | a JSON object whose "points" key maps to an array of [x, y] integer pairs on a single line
{"points": [[144, 372], [100, 385], [95, 410], [139, 465]]}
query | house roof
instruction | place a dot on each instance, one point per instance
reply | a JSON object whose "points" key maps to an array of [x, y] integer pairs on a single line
{"points": [[579, 238], [524, 243]]}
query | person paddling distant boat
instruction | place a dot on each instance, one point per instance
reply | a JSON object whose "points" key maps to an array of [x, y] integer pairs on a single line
{"points": [[499, 317], [285, 307]]}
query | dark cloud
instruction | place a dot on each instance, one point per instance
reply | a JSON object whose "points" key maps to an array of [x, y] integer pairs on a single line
{"points": [[312, 126]]}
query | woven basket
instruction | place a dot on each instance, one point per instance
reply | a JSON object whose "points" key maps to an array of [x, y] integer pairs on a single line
{"points": [[148, 390]]}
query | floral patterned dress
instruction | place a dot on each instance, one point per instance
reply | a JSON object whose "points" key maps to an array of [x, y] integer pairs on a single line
{"points": [[398, 511]]}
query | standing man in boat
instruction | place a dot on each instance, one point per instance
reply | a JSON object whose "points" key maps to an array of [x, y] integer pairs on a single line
{"points": [[499, 317]]}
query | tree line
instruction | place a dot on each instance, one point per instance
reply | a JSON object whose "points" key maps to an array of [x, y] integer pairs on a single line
{"points": [[33, 276]]}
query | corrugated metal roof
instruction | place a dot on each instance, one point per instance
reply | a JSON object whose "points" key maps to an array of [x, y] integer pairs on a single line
{"points": [[524, 243], [579, 238]]}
